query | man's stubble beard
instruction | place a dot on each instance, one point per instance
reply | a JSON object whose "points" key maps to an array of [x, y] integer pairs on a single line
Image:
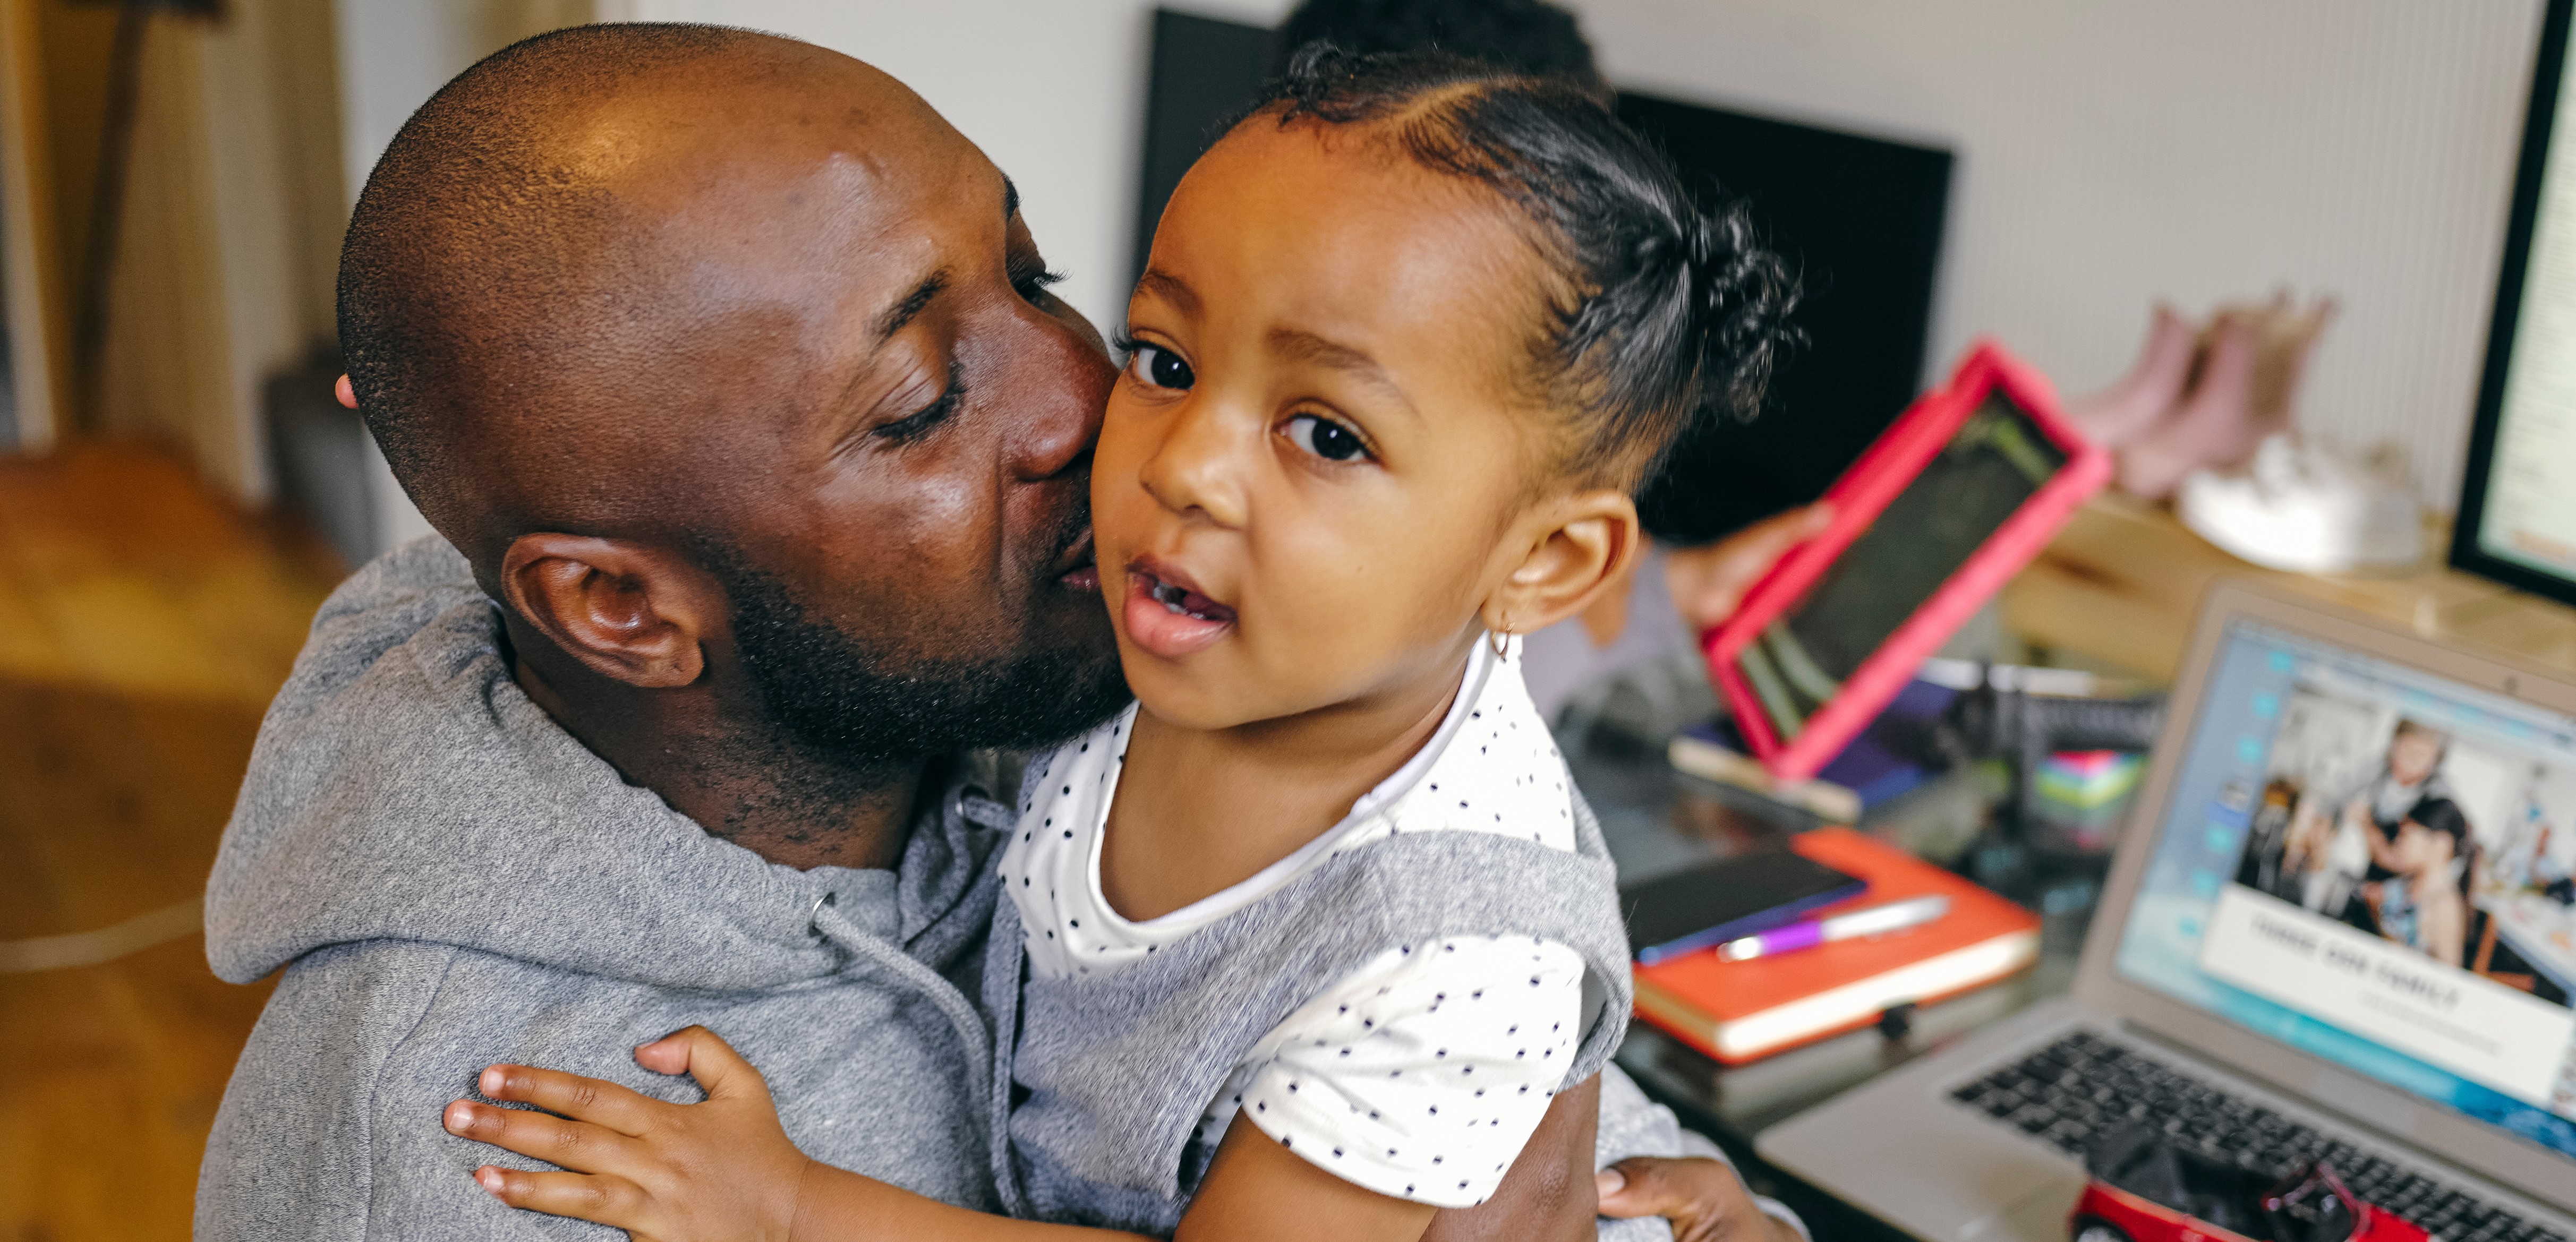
{"points": [[855, 716]]}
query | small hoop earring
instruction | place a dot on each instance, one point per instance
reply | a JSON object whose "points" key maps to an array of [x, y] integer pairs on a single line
{"points": [[1501, 642]]}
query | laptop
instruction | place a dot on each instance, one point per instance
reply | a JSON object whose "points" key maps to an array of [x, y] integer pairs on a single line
{"points": [[2265, 983]]}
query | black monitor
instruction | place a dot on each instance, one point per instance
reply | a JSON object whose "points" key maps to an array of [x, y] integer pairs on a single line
{"points": [[1861, 217], [2518, 500]]}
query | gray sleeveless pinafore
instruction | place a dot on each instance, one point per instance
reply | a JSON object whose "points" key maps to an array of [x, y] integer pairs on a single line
{"points": [[1100, 1080]]}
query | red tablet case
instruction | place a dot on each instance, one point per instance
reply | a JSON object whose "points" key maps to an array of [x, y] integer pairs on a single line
{"points": [[1899, 453]]}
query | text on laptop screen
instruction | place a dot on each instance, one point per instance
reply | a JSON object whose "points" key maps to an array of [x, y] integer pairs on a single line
{"points": [[2373, 865]]}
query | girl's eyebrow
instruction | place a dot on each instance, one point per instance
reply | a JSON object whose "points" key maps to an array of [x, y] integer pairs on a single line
{"points": [[1307, 347], [1171, 289]]}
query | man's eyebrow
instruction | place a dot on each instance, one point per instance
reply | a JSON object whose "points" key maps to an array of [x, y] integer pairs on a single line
{"points": [[1171, 289], [913, 303], [1010, 199], [1308, 347]]}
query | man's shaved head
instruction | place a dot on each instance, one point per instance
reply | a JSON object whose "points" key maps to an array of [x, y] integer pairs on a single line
{"points": [[722, 333], [510, 268]]}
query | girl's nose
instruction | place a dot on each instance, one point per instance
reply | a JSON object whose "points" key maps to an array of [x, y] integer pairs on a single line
{"points": [[1198, 468]]}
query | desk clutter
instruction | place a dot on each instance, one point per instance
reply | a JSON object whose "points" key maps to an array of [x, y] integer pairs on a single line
{"points": [[2071, 747], [1740, 1010], [2071, 763]]}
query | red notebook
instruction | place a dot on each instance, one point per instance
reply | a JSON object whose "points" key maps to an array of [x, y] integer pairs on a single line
{"points": [[1741, 1011]]}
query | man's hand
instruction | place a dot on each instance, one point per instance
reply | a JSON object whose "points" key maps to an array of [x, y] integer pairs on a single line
{"points": [[1704, 1199], [724, 1169], [1707, 583]]}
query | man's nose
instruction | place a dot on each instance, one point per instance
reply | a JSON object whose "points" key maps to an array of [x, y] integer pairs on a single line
{"points": [[1064, 385], [1197, 466]]}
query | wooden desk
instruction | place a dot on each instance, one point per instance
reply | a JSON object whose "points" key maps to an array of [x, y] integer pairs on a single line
{"points": [[2120, 585]]}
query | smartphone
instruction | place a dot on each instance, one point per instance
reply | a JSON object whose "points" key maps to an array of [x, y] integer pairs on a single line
{"points": [[1718, 901]]}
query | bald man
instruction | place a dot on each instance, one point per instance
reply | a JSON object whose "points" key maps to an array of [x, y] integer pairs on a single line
{"points": [[727, 371]]}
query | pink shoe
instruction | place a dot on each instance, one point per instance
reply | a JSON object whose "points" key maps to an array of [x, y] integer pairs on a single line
{"points": [[2283, 358], [2125, 410], [2215, 424], [2243, 390]]}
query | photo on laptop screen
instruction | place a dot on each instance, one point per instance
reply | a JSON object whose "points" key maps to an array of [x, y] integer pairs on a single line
{"points": [[2378, 867]]}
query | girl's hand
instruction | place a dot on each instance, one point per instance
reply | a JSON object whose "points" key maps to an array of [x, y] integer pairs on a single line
{"points": [[723, 1169]]}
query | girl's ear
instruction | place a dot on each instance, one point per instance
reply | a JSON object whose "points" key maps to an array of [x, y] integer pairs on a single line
{"points": [[1573, 549]]}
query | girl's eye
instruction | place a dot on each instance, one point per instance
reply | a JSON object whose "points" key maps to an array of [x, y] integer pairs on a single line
{"points": [[1159, 367], [1325, 438]]}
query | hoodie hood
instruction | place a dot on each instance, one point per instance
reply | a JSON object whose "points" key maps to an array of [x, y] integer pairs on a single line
{"points": [[403, 788]]}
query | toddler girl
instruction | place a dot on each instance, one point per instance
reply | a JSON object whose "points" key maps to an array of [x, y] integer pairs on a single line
{"points": [[1303, 943]]}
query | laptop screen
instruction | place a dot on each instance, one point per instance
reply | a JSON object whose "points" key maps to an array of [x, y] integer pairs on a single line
{"points": [[2373, 865]]}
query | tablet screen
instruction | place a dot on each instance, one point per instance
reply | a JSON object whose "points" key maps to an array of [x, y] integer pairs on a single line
{"points": [[1996, 461]]}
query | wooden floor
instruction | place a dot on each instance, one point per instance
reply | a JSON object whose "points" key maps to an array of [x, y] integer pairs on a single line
{"points": [[143, 627]]}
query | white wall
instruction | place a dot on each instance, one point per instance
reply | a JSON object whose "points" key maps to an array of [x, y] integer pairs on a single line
{"points": [[2196, 150], [2110, 154]]}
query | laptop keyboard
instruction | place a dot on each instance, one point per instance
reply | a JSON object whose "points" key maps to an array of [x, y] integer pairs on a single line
{"points": [[2084, 1085]]}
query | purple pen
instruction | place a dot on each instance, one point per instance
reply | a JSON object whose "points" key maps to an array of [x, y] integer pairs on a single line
{"points": [[1875, 920]]}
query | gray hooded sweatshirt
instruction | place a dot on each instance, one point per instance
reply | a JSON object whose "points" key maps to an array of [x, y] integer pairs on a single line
{"points": [[450, 880]]}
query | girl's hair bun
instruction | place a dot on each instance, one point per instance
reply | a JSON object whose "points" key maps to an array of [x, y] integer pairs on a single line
{"points": [[1741, 296]]}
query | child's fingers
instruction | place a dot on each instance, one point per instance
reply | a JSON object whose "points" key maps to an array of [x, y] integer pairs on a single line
{"points": [[705, 1056], [575, 1145], [1707, 583], [582, 1099], [667, 1055], [612, 1201]]}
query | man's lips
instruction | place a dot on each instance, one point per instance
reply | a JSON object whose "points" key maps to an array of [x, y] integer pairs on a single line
{"points": [[1167, 615], [1078, 568]]}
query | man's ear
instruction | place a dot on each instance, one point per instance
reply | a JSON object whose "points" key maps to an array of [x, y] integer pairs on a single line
{"points": [[628, 612], [1576, 547]]}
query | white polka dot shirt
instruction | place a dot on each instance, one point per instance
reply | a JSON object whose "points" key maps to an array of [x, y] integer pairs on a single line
{"points": [[1421, 1074]]}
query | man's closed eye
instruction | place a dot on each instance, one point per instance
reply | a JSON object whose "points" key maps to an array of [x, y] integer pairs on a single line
{"points": [[928, 418]]}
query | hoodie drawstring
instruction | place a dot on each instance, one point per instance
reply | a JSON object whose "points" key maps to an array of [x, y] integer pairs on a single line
{"points": [[906, 969]]}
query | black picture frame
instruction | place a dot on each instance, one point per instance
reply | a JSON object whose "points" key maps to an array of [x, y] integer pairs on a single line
{"points": [[2549, 64]]}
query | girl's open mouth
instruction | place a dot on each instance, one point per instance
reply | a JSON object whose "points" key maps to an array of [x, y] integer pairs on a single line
{"points": [[1168, 617]]}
